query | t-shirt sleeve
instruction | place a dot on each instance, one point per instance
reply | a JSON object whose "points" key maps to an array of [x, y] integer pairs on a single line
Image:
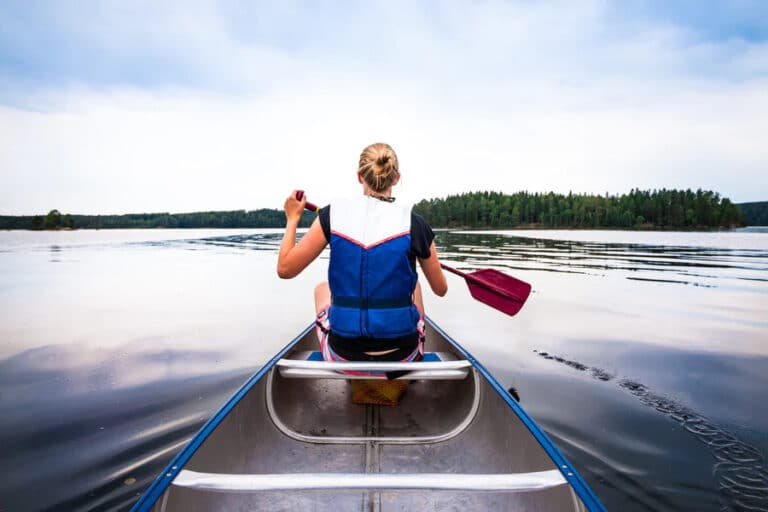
{"points": [[325, 221], [421, 236]]}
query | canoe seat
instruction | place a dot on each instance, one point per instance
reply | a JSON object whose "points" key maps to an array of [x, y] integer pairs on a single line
{"points": [[434, 366], [511, 482]]}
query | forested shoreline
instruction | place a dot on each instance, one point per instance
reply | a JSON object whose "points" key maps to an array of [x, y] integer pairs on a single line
{"points": [[657, 209], [263, 218], [755, 214], [639, 209]]}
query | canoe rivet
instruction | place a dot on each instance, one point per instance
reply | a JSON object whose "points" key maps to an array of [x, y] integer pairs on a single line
{"points": [[167, 474], [565, 466], [173, 467], [570, 474]]}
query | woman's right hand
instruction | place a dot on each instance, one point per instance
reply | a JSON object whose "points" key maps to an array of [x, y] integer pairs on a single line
{"points": [[294, 207]]}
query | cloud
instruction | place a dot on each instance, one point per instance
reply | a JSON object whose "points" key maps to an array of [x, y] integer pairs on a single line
{"points": [[145, 107]]}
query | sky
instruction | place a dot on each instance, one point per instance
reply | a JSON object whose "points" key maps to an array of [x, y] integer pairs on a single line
{"points": [[123, 107]]}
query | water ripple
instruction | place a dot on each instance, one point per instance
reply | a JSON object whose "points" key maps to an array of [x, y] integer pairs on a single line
{"points": [[739, 468], [645, 263]]}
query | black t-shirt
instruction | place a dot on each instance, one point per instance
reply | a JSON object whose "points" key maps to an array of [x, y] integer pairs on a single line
{"points": [[421, 234]]}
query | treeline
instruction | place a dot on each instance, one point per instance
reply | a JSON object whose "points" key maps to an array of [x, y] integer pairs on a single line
{"points": [[658, 209], [264, 218], [755, 214], [637, 209], [54, 220]]}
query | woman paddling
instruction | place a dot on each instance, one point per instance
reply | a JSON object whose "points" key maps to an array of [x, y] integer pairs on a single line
{"points": [[371, 308]]}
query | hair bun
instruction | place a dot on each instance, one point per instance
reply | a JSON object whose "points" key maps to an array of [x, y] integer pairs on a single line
{"points": [[378, 166]]}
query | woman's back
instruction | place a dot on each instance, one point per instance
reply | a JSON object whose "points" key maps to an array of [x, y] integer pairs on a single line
{"points": [[371, 272]]}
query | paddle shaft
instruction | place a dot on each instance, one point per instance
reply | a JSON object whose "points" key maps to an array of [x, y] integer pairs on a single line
{"points": [[308, 206], [454, 271], [312, 207]]}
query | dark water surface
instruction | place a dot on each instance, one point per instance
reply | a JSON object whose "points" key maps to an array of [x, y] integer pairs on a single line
{"points": [[643, 355]]}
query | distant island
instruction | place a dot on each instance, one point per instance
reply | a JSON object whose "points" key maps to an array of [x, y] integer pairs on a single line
{"points": [[639, 209], [755, 214], [263, 218]]}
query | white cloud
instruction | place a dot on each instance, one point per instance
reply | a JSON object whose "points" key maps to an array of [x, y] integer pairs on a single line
{"points": [[499, 96]]}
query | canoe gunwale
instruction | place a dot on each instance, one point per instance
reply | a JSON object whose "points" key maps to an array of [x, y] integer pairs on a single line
{"points": [[445, 436], [163, 481]]}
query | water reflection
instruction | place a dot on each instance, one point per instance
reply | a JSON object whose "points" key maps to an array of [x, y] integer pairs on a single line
{"points": [[250, 241], [645, 262], [114, 356], [55, 253], [107, 434]]}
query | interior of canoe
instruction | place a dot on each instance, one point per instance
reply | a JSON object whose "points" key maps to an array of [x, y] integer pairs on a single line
{"points": [[296, 441]]}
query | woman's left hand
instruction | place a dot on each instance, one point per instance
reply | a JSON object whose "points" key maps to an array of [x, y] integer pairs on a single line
{"points": [[294, 207]]}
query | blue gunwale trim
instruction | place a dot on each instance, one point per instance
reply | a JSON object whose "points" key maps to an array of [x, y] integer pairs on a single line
{"points": [[161, 483], [566, 468]]}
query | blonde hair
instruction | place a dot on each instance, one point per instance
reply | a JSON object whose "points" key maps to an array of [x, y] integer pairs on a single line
{"points": [[378, 166]]}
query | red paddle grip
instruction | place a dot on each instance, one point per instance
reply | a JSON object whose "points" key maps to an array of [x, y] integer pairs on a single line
{"points": [[309, 206]]}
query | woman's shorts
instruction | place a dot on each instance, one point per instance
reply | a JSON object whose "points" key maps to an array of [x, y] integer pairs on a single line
{"points": [[323, 328]]}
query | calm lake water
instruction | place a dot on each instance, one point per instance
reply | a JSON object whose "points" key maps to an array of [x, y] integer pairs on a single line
{"points": [[643, 355]]}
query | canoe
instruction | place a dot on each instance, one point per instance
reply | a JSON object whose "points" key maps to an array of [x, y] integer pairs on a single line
{"points": [[292, 439]]}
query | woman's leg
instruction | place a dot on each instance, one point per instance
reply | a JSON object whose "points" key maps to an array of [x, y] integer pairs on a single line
{"points": [[322, 301], [322, 296], [418, 300]]}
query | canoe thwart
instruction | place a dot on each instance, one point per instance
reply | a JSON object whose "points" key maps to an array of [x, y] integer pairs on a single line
{"points": [[510, 482], [435, 366]]}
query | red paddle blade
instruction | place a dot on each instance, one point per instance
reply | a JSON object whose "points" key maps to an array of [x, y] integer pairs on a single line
{"points": [[498, 290]]}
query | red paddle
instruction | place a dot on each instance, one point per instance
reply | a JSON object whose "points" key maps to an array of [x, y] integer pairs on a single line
{"points": [[488, 285], [309, 206], [496, 289]]}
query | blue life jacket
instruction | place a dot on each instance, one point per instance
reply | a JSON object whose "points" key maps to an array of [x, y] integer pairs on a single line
{"points": [[370, 273]]}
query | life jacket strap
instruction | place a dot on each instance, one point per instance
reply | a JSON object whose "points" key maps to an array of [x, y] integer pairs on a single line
{"points": [[368, 303]]}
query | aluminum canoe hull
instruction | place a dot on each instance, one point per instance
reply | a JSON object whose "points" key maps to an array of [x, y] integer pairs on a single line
{"points": [[290, 442]]}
